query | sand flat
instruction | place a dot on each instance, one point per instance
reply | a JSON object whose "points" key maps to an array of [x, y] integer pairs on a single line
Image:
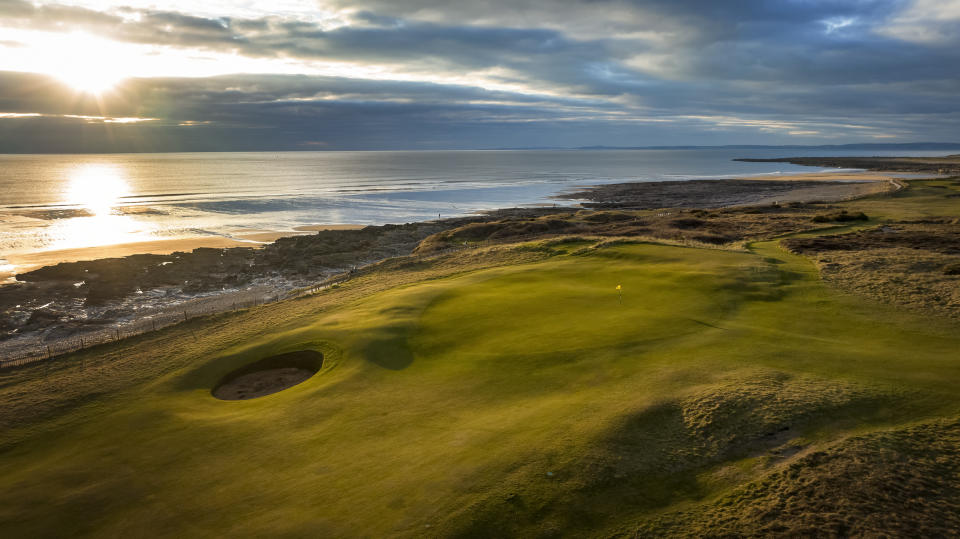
{"points": [[865, 176], [842, 186], [830, 192]]}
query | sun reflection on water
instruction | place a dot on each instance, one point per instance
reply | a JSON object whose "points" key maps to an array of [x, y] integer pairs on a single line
{"points": [[98, 190]]}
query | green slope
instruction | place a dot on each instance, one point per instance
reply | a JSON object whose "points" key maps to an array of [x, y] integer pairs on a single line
{"points": [[523, 399]]}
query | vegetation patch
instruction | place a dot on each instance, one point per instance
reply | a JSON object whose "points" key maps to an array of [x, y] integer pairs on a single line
{"points": [[901, 483], [841, 217], [914, 264], [933, 235], [696, 226]]}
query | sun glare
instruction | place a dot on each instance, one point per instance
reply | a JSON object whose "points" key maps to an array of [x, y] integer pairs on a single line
{"points": [[88, 64], [99, 189], [96, 188], [90, 81]]}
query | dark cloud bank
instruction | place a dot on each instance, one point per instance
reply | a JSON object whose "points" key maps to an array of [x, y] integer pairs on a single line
{"points": [[570, 74]]}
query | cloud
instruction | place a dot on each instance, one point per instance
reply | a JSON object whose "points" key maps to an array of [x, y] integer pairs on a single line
{"points": [[931, 22], [415, 71], [273, 112]]}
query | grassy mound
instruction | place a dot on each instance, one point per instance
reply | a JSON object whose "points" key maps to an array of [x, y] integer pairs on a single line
{"points": [[904, 482], [676, 450]]}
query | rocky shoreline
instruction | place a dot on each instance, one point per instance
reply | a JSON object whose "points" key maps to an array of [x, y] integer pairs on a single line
{"points": [[67, 297]]}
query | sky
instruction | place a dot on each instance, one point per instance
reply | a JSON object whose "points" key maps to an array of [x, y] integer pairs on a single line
{"points": [[137, 75]]}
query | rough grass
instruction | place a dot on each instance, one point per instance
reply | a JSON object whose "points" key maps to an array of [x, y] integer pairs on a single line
{"points": [[726, 227], [898, 483], [674, 450], [922, 199], [840, 217], [924, 281], [912, 260]]}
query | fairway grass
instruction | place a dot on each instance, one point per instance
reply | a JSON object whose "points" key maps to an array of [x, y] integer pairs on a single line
{"points": [[516, 399]]}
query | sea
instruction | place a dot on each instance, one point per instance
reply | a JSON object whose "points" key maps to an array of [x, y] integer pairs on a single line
{"points": [[55, 202]]}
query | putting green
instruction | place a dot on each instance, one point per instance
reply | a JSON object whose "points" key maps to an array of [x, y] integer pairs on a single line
{"points": [[518, 399]]}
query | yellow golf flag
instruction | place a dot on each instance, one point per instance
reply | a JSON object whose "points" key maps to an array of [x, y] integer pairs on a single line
{"points": [[618, 287]]}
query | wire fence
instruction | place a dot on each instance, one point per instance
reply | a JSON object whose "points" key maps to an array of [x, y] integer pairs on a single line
{"points": [[19, 353]]}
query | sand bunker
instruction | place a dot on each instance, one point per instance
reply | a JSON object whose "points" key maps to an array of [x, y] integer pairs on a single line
{"points": [[269, 375]]}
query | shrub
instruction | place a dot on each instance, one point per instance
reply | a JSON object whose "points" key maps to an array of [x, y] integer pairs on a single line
{"points": [[841, 217], [713, 239], [607, 217], [687, 223]]}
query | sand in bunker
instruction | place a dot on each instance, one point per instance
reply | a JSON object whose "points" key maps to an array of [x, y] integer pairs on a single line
{"points": [[269, 375], [259, 384]]}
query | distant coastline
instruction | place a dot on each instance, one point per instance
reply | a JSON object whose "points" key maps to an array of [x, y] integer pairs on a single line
{"points": [[868, 146], [907, 146]]}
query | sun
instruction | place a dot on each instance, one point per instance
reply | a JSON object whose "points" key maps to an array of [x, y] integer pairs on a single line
{"points": [[90, 81], [89, 64]]}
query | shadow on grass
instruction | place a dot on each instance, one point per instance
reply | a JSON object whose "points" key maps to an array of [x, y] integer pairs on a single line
{"points": [[659, 456], [707, 324], [633, 468], [389, 349]]}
